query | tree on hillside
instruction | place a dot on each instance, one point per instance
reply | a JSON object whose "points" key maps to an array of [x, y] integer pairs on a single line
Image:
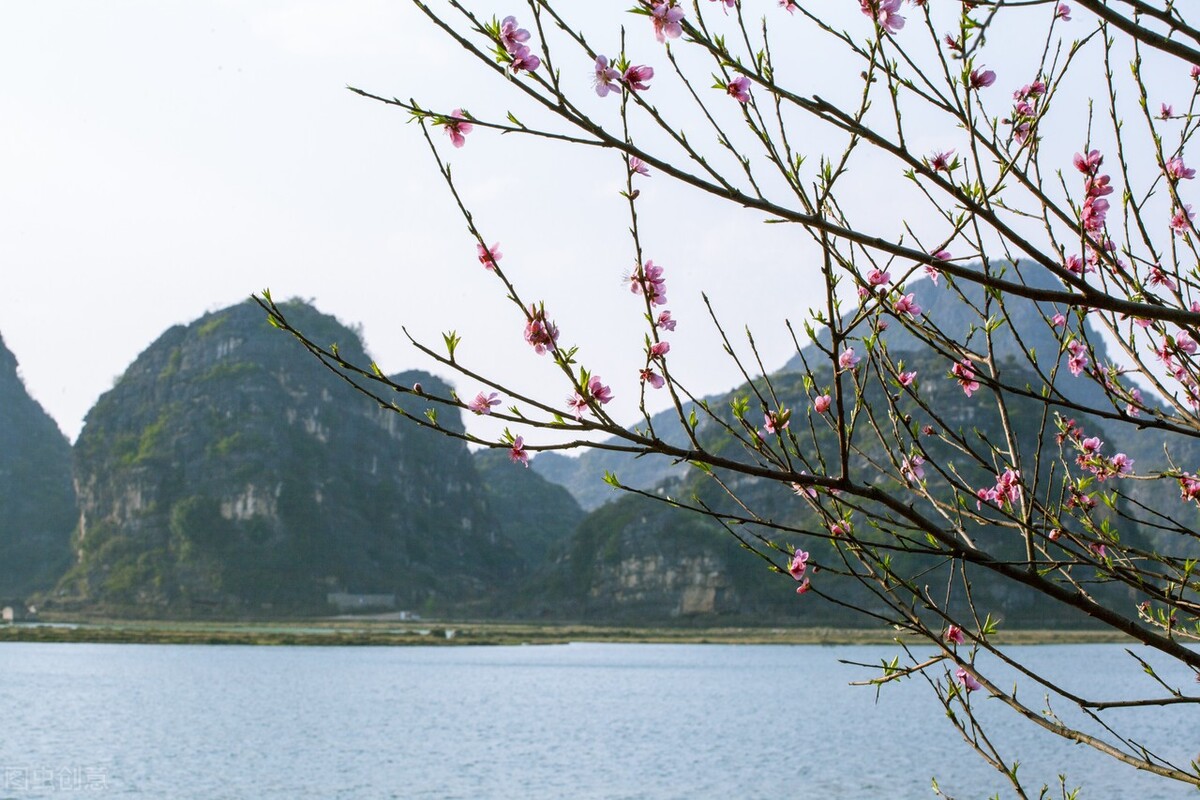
{"points": [[1025, 155]]}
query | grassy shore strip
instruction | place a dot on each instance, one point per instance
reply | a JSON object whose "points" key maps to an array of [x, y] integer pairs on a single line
{"points": [[449, 633]]}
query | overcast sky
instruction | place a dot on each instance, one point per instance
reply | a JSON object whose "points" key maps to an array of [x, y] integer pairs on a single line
{"points": [[162, 159]]}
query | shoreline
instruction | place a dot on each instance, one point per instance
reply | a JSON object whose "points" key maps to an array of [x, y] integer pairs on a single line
{"points": [[367, 633]]}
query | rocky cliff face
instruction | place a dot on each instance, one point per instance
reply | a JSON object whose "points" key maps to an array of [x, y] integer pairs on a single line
{"points": [[228, 470], [37, 500]]}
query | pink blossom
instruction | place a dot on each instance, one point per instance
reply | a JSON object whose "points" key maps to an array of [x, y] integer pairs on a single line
{"points": [[1059, 320], [987, 494], [1008, 485], [649, 280], [517, 454], [982, 78], [666, 322], [1121, 464], [1098, 549], [525, 60], [1093, 213], [1078, 357], [606, 78], [1189, 486], [798, 564], [1131, 408], [967, 680], [638, 166], [907, 305], [1181, 220], [540, 333], [954, 634], [635, 77], [906, 378], [940, 162], [964, 373], [578, 404], [847, 360], [777, 421], [1088, 164], [804, 587], [841, 528], [659, 349], [1160, 278], [885, 12], [1195, 72], [877, 277], [739, 89], [1092, 444], [512, 37], [1097, 186], [788, 5], [601, 393], [488, 256], [1185, 342], [1054, 534], [482, 404], [1166, 112], [822, 403], [1177, 170], [457, 128], [653, 378], [913, 469], [1063, 12], [804, 491], [666, 18]]}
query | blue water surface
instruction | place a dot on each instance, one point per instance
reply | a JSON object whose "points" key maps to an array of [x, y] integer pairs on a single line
{"points": [[570, 721]]}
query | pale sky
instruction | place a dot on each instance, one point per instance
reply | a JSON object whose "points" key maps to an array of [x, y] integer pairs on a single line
{"points": [[163, 159]]}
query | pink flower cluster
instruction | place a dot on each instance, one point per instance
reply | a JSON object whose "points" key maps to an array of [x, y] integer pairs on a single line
{"points": [[649, 280], [796, 568], [1176, 170], [1025, 109], [1007, 490], [607, 78], [1077, 359], [512, 39], [594, 391], [1089, 457], [964, 373], [1095, 208], [540, 333]]}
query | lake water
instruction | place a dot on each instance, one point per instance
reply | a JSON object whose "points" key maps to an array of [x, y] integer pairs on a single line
{"points": [[572, 721]]}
